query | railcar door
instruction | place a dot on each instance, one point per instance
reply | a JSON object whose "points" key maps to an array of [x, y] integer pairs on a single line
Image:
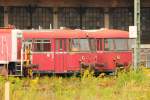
{"points": [[60, 51], [28, 48]]}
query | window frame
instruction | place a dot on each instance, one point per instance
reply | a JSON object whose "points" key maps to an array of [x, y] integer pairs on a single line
{"points": [[35, 41]]}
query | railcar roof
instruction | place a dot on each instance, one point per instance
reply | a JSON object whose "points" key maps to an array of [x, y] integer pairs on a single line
{"points": [[5, 30], [107, 33], [68, 33], [55, 33]]}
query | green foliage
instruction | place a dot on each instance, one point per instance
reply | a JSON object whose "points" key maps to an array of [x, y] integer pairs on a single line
{"points": [[126, 77], [132, 85]]}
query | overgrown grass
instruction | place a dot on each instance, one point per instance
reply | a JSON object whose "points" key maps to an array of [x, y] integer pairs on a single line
{"points": [[133, 85]]}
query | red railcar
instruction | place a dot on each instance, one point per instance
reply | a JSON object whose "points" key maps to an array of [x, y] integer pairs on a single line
{"points": [[113, 48], [66, 51], [8, 49], [60, 51]]}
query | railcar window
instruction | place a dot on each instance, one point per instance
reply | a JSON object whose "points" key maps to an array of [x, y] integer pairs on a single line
{"points": [[74, 46], [131, 43], [65, 45], [116, 44], [121, 44], [42, 45], [92, 43], [26, 44], [108, 44], [99, 44], [57, 44], [61, 44], [82, 45]]}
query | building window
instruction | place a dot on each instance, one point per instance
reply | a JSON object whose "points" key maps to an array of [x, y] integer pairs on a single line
{"points": [[42, 45], [93, 18], [81, 17], [1, 16], [121, 18], [19, 17], [145, 23], [42, 17], [31, 17], [68, 17]]}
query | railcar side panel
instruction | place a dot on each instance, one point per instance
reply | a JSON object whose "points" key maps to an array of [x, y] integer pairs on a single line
{"points": [[59, 62], [8, 45], [109, 60], [5, 47], [76, 59], [45, 61]]}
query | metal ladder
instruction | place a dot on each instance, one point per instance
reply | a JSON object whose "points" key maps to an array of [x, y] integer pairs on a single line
{"points": [[18, 71], [18, 67]]}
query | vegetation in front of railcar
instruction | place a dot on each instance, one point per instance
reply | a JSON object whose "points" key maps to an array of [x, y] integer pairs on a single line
{"points": [[2, 87], [131, 85]]}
